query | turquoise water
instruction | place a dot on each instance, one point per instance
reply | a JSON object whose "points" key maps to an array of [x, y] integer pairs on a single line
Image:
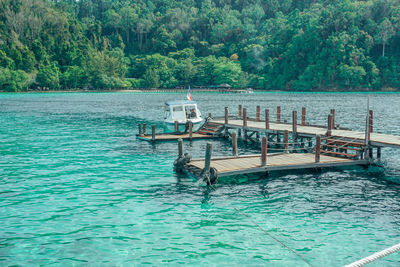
{"points": [[77, 188]]}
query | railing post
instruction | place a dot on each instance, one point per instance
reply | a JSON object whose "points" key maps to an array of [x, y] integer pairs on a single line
{"points": [[317, 149], [176, 126], [286, 141], [226, 115], [267, 119], [303, 116], [278, 114], [153, 133], [294, 121], [329, 130], [144, 128], [234, 144], [190, 130], [140, 130], [180, 147], [207, 163], [240, 111], [258, 113], [264, 151], [371, 121], [244, 117]]}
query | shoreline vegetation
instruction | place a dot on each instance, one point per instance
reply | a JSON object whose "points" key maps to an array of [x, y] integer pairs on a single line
{"points": [[302, 46]]}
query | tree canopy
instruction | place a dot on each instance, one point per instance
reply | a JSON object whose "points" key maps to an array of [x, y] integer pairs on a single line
{"points": [[275, 45]]}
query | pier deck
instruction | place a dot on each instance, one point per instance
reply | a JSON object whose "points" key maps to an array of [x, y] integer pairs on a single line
{"points": [[174, 137], [376, 139], [276, 162]]}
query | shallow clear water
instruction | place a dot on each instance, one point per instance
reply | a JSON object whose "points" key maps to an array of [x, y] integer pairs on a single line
{"points": [[77, 188]]}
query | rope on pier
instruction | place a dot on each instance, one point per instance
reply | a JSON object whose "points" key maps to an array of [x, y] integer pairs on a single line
{"points": [[375, 256]]}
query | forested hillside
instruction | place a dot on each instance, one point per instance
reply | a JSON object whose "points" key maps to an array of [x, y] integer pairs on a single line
{"points": [[308, 45]]}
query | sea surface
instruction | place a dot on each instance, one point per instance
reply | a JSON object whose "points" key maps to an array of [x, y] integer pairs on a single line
{"points": [[78, 189]]}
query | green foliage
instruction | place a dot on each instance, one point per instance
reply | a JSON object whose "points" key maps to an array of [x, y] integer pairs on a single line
{"points": [[13, 81], [287, 45]]}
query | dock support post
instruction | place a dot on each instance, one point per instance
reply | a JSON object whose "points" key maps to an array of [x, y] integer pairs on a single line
{"points": [[140, 130], [367, 137], [378, 153], [244, 117], [303, 116], [180, 148], [329, 131], [240, 111], [209, 115], [371, 121], [153, 133], [264, 151], [294, 128], [207, 163], [267, 119], [234, 144], [286, 141], [190, 130], [317, 149], [226, 115], [258, 113], [176, 126], [278, 114], [144, 128], [333, 118]]}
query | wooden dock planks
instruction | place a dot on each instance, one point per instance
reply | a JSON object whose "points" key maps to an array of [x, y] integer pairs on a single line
{"points": [[377, 139], [275, 162], [174, 137]]}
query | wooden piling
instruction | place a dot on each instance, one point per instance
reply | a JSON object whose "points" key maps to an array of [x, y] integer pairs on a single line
{"points": [[329, 129], [209, 115], [303, 116], [207, 163], [153, 133], [294, 121], [278, 114], [371, 121], [258, 113], [240, 111], [234, 145], [264, 151], [286, 141], [267, 119], [226, 115], [318, 148], [378, 153], [176, 126], [244, 117], [333, 118], [190, 130], [140, 130], [144, 128], [180, 147]]}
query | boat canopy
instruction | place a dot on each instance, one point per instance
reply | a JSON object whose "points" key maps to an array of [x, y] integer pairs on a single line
{"points": [[180, 102]]}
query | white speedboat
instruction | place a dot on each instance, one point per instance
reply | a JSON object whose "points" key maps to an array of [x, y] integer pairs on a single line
{"points": [[182, 111]]}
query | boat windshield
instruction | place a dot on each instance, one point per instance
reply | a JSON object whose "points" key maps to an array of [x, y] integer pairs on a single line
{"points": [[178, 113]]}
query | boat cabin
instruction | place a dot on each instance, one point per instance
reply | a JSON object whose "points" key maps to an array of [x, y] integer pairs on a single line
{"points": [[181, 111]]}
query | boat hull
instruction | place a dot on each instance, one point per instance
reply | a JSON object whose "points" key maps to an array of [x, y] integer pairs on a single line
{"points": [[169, 127]]}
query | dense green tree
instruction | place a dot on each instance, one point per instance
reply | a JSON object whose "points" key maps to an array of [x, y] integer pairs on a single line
{"points": [[13, 81], [49, 76]]}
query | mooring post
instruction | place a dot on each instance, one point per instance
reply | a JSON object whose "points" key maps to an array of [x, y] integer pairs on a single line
{"points": [[267, 119], [367, 137], [176, 126], [329, 130], [258, 113], [303, 116], [278, 114], [286, 141], [244, 117], [226, 115], [318, 149], [333, 118], [180, 147], [264, 151], [153, 133], [209, 115], [144, 128], [240, 111], [378, 153], [371, 121], [294, 128], [140, 130], [207, 163], [190, 130], [234, 144]]}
